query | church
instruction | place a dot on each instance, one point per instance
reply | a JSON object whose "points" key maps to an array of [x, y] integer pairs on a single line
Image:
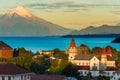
{"points": [[102, 64]]}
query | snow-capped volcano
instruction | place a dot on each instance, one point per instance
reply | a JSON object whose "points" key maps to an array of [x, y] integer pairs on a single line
{"points": [[20, 22], [21, 11]]}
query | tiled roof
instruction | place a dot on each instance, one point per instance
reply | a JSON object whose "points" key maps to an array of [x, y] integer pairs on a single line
{"points": [[110, 58], [109, 50], [103, 51], [9, 69], [4, 45], [83, 57], [72, 44], [83, 67], [47, 77]]}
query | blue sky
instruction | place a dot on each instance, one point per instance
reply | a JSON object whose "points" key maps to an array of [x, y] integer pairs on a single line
{"points": [[75, 14]]}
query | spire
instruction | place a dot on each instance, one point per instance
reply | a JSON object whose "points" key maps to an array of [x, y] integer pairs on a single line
{"points": [[72, 44], [103, 51], [109, 50]]}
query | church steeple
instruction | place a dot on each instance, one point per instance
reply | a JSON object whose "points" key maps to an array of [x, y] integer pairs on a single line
{"points": [[72, 44], [103, 51], [109, 51]]}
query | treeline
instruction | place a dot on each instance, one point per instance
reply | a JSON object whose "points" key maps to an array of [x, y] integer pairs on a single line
{"points": [[43, 64]]}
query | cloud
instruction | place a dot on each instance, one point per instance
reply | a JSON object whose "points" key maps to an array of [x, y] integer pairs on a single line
{"points": [[68, 6], [65, 6], [115, 11]]}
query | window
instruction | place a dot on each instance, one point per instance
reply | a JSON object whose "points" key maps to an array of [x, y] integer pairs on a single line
{"points": [[3, 78], [21, 77], [9, 78], [108, 73], [28, 76]]}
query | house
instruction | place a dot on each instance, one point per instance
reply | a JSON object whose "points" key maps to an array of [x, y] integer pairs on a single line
{"points": [[12, 72], [48, 77], [5, 50], [102, 64], [116, 75], [46, 52]]}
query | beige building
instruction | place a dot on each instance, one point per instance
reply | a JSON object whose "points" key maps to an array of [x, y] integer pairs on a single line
{"points": [[102, 64]]}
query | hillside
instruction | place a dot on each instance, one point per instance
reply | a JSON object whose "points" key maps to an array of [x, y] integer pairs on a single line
{"points": [[104, 29], [20, 22]]}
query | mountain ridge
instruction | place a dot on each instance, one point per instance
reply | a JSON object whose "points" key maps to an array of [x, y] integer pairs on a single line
{"points": [[16, 23], [103, 29]]}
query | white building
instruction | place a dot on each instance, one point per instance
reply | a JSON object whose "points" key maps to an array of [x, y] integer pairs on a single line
{"points": [[11, 72], [102, 64]]}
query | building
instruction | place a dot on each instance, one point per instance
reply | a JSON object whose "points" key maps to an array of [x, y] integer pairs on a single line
{"points": [[12, 72], [46, 52], [48, 77], [102, 64], [5, 50], [116, 75]]}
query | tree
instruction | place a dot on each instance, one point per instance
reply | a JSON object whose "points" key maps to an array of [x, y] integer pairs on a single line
{"points": [[58, 65], [59, 54], [24, 58], [96, 50], [37, 68], [70, 71]]}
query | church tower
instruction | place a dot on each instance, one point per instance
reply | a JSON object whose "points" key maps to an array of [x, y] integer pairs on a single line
{"points": [[71, 50], [109, 52], [103, 59]]}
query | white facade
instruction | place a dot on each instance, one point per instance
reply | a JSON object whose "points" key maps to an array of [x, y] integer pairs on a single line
{"points": [[15, 77], [94, 63], [115, 77]]}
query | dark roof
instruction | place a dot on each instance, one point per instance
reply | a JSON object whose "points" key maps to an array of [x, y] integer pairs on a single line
{"points": [[117, 72], [83, 67], [47, 77], [9, 69], [111, 68], [110, 58], [4, 45], [83, 57]]}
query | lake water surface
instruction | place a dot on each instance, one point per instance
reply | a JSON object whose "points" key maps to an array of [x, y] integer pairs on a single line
{"points": [[49, 43]]}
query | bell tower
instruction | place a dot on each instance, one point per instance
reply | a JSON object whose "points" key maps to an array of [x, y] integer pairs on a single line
{"points": [[103, 59], [71, 50]]}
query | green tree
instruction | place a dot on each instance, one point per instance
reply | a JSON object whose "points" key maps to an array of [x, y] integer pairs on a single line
{"points": [[70, 71], [58, 65], [96, 50], [24, 58], [37, 68], [59, 54]]}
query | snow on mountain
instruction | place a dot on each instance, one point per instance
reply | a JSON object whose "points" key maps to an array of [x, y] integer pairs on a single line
{"points": [[21, 11], [20, 22]]}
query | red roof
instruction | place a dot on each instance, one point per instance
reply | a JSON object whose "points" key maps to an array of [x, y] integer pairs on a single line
{"points": [[103, 51], [48, 77], [72, 44], [109, 50], [9, 69]]}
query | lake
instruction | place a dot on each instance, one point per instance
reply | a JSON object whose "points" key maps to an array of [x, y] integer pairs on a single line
{"points": [[49, 43]]}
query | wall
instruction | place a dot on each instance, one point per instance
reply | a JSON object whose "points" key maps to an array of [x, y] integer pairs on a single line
{"points": [[6, 53]]}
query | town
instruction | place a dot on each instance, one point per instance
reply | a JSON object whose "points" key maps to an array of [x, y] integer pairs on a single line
{"points": [[76, 63]]}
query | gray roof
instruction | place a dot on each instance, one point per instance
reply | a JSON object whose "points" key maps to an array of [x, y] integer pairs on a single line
{"points": [[83, 57]]}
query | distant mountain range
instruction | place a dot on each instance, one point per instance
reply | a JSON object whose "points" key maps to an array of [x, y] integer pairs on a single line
{"points": [[104, 29], [20, 22]]}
